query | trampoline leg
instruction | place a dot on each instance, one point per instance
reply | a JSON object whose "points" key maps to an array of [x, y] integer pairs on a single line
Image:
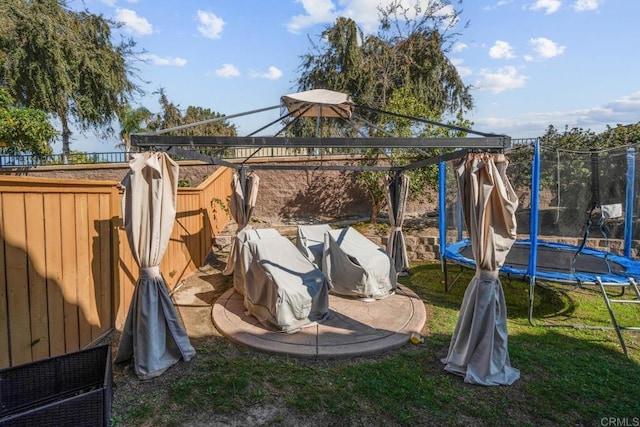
{"points": [[532, 285], [446, 275], [612, 315], [445, 269]]}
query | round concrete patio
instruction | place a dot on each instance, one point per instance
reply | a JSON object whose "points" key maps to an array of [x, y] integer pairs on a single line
{"points": [[353, 327]]}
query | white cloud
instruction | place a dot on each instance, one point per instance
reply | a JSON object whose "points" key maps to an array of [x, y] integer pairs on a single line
{"points": [[501, 50], [498, 4], [462, 70], [364, 12], [210, 25], [274, 73], [316, 12], [585, 5], [133, 23], [546, 48], [549, 6], [227, 70], [505, 78], [528, 58], [157, 60], [113, 3], [625, 110], [459, 47]]}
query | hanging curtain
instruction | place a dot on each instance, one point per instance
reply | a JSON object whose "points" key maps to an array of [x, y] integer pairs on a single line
{"points": [[478, 349], [153, 336], [397, 195], [241, 205]]}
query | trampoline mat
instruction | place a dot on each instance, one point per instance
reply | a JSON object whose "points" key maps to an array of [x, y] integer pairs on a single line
{"points": [[553, 259]]}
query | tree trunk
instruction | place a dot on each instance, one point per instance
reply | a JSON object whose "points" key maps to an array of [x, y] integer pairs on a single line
{"points": [[375, 210], [66, 136]]}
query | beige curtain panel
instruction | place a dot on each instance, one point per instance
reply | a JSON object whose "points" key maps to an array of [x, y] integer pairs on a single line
{"points": [[153, 335], [478, 350], [241, 205], [397, 197]]}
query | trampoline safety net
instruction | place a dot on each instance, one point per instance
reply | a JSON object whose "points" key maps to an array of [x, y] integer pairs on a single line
{"points": [[587, 200]]}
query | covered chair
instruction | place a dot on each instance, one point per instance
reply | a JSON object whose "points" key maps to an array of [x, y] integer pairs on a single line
{"points": [[283, 289], [310, 241], [241, 238], [153, 336], [356, 266], [478, 349]]}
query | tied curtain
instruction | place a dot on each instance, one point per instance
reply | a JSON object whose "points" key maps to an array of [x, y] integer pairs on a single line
{"points": [[153, 335], [241, 205], [478, 349], [397, 196]]}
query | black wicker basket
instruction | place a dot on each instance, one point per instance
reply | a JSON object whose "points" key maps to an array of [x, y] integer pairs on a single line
{"points": [[70, 390]]}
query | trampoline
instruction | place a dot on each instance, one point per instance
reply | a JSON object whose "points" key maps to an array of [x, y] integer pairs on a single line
{"points": [[570, 194], [557, 262]]}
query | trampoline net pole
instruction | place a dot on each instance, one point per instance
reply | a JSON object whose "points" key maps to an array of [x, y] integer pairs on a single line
{"points": [[629, 200], [533, 225]]}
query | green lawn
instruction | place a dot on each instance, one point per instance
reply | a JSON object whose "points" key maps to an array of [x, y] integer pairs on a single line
{"points": [[569, 375]]}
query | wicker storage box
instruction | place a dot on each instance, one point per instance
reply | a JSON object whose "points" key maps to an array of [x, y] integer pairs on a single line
{"points": [[70, 390]]}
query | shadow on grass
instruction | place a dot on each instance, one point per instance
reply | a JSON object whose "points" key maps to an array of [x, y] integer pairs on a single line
{"points": [[548, 302]]}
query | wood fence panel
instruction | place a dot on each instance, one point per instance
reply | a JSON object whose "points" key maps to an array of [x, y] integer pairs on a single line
{"points": [[106, 282], [93, 257], [34, 211], [14, 225], [83, 280], [53, 260], [5, 359], [216, 191], [69, 272]]}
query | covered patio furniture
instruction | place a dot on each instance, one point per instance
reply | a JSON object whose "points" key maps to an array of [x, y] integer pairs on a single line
{"points": [[153, 335], [239, 240], [356, 266], [310, 241], [478, 349], [283, 289]]}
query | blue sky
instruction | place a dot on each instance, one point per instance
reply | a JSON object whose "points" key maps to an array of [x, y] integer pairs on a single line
{"points": [[532, 63]]}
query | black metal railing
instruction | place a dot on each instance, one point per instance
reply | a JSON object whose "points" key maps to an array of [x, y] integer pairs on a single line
{"points": [[29, 160]]}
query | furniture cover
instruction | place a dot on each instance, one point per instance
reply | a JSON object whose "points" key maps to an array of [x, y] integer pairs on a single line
{"points": [[355, 266], [283, 289], [242, 237], [310, 241]]}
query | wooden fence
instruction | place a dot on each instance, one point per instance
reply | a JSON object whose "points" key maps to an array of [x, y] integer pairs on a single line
{"points": [[66, 271]]}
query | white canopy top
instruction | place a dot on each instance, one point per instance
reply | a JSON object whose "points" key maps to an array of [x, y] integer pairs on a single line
{"points": [[312, 103]]}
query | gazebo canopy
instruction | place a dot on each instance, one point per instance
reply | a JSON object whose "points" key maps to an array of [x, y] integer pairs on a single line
{"points": [[319, 103]]}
